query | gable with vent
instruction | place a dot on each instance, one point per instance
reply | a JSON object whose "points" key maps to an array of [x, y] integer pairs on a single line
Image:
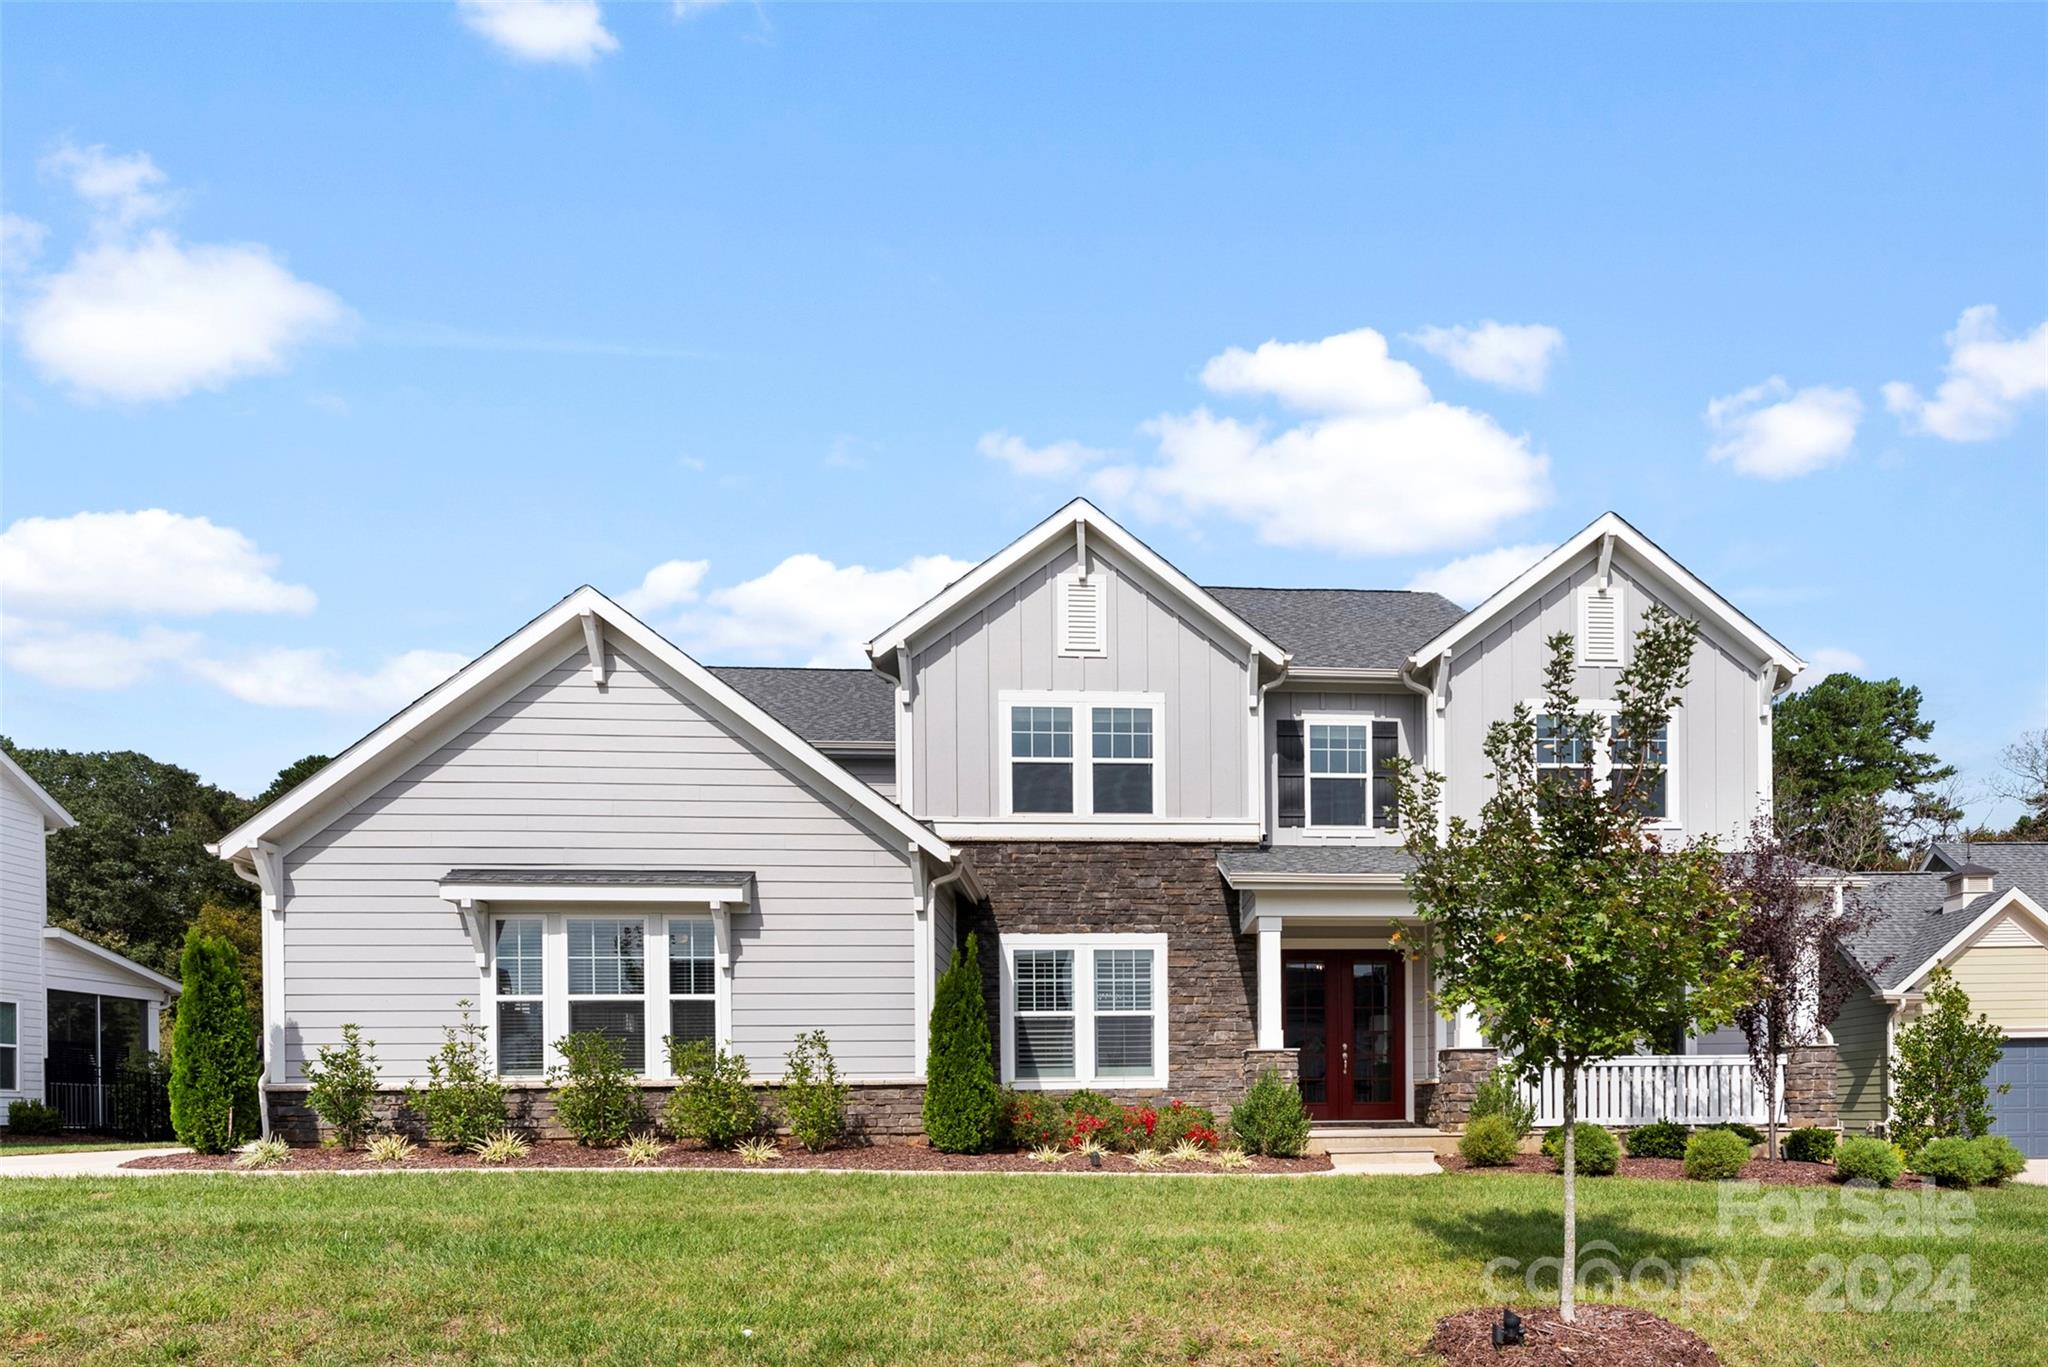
{"points": [[1600, 624], [1083, 605]]}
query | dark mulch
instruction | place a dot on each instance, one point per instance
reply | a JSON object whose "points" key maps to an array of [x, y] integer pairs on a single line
{"points": [[869, 1158], [1602, 1336], [1774, 1173]]}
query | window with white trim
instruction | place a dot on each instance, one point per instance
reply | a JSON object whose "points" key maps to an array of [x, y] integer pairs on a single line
{"points": [[521, 982], [1652, 799], [1114, 771], [10, 1047], [1041, 759], [692, 980], [1082, 1010], [1603, 759], [1350, 778], [608, 983]]}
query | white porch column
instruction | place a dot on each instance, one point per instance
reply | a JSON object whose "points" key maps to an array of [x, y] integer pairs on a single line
{"points": [[1466, 1033], [1270, 988]]}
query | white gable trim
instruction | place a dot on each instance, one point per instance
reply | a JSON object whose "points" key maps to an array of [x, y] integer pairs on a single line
{"points": [[2014, 900], [126, 965], [1666, 575], [521, 650], [1083, 522], [55, 818]]}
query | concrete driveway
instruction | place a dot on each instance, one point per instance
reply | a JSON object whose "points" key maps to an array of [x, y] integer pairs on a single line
{"points": [[104, 1163], [2036, 1172]]}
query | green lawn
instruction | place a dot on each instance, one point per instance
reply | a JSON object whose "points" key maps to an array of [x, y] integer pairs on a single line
{"points": [[631, 1267]]}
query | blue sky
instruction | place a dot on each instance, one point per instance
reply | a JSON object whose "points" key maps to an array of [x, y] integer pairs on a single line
{"points": [[433, 313]]}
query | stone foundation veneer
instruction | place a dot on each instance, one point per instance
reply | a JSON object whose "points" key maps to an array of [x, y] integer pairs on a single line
{"points": [[879, 1113], [1285, 1062], [1459, 1073], [1810, 1077]]}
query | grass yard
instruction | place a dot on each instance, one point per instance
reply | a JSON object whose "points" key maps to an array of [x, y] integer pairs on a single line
{"points": [[629, 1267]]}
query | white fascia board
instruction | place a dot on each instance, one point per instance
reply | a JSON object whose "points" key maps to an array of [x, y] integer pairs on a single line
{"points": [[79, 942], [1271, 882], [693, 894], [1675, 578], [449, 697], [1312, 674], [2013, 899], [55, 818], [1068, 828], [1060, 527]]}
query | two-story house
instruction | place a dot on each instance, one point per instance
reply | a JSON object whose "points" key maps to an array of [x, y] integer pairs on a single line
{"points": [[1164, 807]]}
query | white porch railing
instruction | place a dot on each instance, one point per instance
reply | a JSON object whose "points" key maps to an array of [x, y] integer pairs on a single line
{"points": [[1692, 1089]]}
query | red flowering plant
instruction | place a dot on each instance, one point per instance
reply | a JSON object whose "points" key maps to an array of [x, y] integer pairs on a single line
{"points": [[1203, 1136], [1181, 1121], [1086, 1127], [1139, 1123]]}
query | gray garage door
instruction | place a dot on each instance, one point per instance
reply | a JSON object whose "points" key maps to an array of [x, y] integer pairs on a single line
{"points": [[2021, 1115]]}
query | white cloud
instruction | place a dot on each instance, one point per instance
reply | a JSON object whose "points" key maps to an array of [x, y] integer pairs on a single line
{"points": [[120, 190], [1830, 660], [570, 31], [1511, 355], [1989, 376], [148, 562], [1795, 435], [69, 657], [1060, 459], [310, 678], [21, 242], [669, 584], [1383, 469], [808, 610], [1471, 579], [690, 9]]}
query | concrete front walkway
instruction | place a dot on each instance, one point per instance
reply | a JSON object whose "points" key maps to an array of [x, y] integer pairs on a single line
{"points": [[2035, 1173], [103, 1163]]}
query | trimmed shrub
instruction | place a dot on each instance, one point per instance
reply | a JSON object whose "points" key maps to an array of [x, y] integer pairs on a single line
{"points": [[1954, 1162], [1033, 1120], [1180, 1122], [1095, 1116], [715, 1100], [341, 1087], [1595, 1154], [1489, 1142], [462, 1104], [2004, 1156], [1715, 1156], [1750, 1134], [1271, 1119], [594, 1100], [1137, 1126], [1811, 1145], [214, 1063], [33, 1117], [1500, 1093], [1663, 1139], [813, 1098], [962, 1103], [1868, 1160]]}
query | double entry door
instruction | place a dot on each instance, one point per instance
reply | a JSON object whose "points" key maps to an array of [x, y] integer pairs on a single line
{"points": [[1344, 1013]]}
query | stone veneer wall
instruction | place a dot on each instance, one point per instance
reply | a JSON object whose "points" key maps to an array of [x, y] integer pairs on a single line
{"points": [[1459, 1073], [881, 1113], [1810, 1077], [1072, 887]]}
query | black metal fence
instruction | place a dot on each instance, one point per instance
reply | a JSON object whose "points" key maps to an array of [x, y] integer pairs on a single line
{"points": [[128, 1103]]}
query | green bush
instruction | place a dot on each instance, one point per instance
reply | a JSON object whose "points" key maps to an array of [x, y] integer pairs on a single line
{"points": [[1090, 1112], [2003, 1155], [1596, 1154], [813, 1097], [594, 1098], [214, 1063], [1180, 1121], [1663, 1139], [1942, 1066], [462, 1104], [1868, 1160], [1750, 1134], [341, 1087], [1715, 1156], [1489, 1142], [1811, 1145], [1500, 1093], [33, 1117], [962, 1103], [1271, 1119], [1954, 1162], [1032, 1120], [715, 1100]]}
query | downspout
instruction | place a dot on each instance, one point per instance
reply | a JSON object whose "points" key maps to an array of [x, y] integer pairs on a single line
{"points": [[928, 938]]}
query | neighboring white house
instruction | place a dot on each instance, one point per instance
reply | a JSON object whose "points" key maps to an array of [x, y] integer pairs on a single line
{"points": [[61, 996]]}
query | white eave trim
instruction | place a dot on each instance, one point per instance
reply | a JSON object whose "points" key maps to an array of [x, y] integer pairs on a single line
{"points": [[452, 694], [55, 818], [1301, 882], [1083, 519], [1599, 536], [1063, 827], [2013, 899], [79, 942], [690, 894]]}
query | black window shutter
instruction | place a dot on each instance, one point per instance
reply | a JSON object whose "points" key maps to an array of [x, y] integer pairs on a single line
{"points": [[1293, 791]]}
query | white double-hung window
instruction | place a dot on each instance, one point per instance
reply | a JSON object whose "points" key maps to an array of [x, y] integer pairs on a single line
{"points": [[1606, 758], [1084, 1010], [1081, 754], [692, 980], [10, 1047], [608, 983], [521, 980], [1350, 778]]}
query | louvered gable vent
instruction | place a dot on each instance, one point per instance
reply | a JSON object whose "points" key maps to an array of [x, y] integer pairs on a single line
{"points": [[1600, 625], [1083, 630]]}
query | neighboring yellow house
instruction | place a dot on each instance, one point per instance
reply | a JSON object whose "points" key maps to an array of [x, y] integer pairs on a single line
{"points": [[1981, 911]]}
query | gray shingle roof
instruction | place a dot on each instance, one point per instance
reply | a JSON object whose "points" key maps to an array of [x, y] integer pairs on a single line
{"points": [[602, 878], [1316, 859], [824, 706], [1344, 628], [1908, 925]]}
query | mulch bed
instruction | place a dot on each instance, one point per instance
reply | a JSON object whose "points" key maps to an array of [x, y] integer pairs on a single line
{"points": [[1602, 1336], [870, 1158], [1777, 1172]]}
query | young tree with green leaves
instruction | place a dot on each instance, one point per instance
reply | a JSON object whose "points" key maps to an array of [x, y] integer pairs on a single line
{"points": [[1574, 929], [214, 1063], [1941, 1075], [962, 1103]]}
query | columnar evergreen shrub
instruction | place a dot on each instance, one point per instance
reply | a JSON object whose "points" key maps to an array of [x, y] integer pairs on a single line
{"points": [[1489, 1142], [595, 1099], [214, 1063], [813, 1098], [715, 1100], [1597, 1153], [341, 1086], [1811, 1145], [462, 1104], [1868, 1160], [962, 1103], [1663, 1139], [1500, 1093], [1271, 1119], [1715, 1156]]}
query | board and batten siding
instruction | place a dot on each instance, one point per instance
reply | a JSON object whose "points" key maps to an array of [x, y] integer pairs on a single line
{"points": [[632, 774], [1716, 733], [1010, 643], [1291, 704], [24, 892], [877, 771]]}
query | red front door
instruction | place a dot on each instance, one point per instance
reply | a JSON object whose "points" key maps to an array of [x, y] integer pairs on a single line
{"points": [[1344, 1013]]}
